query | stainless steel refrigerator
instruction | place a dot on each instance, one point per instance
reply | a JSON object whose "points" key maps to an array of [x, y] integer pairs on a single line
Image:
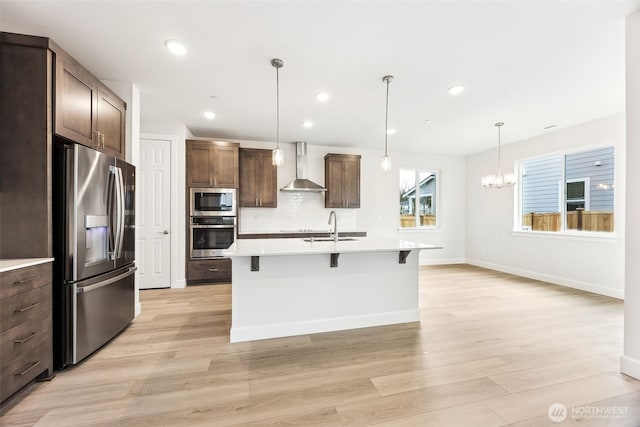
{"points": [[94, 249]]}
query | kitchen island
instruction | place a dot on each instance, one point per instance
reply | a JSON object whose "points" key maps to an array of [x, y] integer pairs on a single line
{"points": [[286, 287]]}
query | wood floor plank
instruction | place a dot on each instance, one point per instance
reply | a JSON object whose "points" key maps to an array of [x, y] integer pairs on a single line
{"points": [[527, 404], [472, 414], [491, 349]]}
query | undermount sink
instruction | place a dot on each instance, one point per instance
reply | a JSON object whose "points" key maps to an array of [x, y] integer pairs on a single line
{"points": [[329, 239]]}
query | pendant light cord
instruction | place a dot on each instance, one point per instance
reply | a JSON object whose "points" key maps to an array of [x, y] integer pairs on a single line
{"points": [[499, 125], [386, 119], [499, 150], [278, 107]]}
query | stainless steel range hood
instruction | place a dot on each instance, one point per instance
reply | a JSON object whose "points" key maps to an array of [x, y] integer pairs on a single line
{"points": [[302, 183]]}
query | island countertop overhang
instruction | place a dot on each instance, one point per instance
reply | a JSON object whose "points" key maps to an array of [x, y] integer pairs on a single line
{"points": [[298, 246]]}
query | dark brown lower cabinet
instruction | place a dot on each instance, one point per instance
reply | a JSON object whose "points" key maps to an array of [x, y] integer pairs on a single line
{"points": [[216, 270], [25, 328]]}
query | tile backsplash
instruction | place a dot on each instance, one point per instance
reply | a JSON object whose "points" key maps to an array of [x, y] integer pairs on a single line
{"points": [[295, 211]]}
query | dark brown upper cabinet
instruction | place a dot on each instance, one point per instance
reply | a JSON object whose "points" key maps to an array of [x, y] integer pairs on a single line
{"points": [[86, 111], [258, 179], [342, 180], [212, 164]]}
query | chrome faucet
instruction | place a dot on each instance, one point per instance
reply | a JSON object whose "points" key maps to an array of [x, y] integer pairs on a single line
{"points": [[335, 225]]}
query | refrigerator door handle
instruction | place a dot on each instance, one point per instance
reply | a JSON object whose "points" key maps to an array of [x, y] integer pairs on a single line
{"points": [[116, 214], [112, 198], [83, 289], [120, 214]]}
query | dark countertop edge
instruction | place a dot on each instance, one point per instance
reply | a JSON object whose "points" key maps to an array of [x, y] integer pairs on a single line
{"points": [[298, 235]]}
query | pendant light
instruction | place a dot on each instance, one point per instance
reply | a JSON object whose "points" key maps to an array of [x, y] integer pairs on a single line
{"points": [[277, 155], [499, 181], [386, 160]]}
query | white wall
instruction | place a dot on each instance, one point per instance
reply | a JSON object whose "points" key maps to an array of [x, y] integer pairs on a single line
{"points": [[592, 264], [379, 210], [630, 361]]}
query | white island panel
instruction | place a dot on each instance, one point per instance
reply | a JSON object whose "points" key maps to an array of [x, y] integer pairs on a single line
{"points": [[302, 294]]}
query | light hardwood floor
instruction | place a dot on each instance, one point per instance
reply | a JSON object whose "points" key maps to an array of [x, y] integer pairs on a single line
{"points": [[491, 350]]}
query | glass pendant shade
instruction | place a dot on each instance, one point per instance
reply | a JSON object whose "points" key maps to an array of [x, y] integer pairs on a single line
{"points": [[386, 163], [277, 157]]}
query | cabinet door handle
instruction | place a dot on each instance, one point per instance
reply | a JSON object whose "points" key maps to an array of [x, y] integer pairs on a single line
{"points": [[215, 180], [257, 201], [22, 310], [24, 340], [260, 202], [210, 182], [95, 134], [33, 365], [102, 140], [213, 270], [20, 282]]}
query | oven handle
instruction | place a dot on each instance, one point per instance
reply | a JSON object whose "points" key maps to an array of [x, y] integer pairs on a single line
{"points": [[212, 226]]}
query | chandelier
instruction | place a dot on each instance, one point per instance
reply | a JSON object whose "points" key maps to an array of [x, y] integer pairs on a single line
{"points": [[499, 181]]}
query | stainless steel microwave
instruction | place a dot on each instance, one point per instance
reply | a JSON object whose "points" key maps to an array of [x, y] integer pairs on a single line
{"points": [[212, 202]]}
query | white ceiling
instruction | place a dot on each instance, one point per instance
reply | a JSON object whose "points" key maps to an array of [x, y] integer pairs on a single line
{"points": [[527, 63]]}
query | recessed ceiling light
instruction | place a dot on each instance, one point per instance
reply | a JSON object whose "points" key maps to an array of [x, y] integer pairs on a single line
{"points": [[209, 115], [322, 96], [307, 123], [456, 90], [391, 131], [428, 121], [175, 47]]}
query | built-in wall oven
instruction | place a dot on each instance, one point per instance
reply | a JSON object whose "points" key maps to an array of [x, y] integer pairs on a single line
{"points": [[210, 236], [212, 202], [212, 222]]}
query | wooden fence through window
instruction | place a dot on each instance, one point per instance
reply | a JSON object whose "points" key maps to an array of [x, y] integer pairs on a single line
{"points": [[576, 220], [409, 221]]}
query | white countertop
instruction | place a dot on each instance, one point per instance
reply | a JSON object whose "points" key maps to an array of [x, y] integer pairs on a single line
{"points": [[14, 264], [297, 246]]}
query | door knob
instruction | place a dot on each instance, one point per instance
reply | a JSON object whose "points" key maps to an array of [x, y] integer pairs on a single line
{"points": [[165, 232]]}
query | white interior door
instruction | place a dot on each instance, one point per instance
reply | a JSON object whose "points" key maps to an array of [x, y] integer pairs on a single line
{"points": [[154, 214]]}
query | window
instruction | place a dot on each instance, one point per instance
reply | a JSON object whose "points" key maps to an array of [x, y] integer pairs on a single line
{"points": [[570, 192], [418, 198]]}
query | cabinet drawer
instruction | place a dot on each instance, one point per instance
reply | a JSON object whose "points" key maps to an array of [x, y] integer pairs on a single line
{"points": [[20, 280], [24, 369], [209, 270], [25, 338], [22, 307]]}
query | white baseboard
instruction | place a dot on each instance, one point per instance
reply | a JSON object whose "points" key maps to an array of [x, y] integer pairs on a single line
{"points": [[182, 283], [630, 366], [251, 333], [556, 280], [445, 261], [138, 310]]}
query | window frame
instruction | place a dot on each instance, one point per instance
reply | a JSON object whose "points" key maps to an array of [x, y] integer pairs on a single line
{"points": [[587, 192], [436, 199], [518, 228]]}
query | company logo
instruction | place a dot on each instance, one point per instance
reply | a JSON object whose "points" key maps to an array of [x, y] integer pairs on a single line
{"points": [[557, 412]]}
